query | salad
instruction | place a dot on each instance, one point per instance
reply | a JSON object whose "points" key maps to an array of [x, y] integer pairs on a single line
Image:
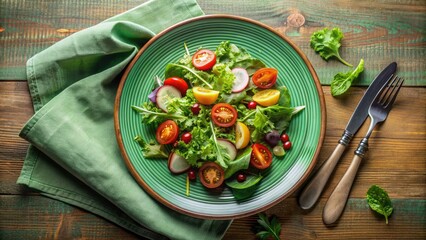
{"points": [[220, 118]]}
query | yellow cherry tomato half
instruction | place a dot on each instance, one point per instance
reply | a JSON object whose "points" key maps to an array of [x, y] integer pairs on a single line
{"points": [[205, 96], [242, 135], [267, 97]]}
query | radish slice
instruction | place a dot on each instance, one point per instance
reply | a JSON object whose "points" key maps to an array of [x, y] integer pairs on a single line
{"points": [[241, 79], [229, 146], [177, 164], [165, 93]]}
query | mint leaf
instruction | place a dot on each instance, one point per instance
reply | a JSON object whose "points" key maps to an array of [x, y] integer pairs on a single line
{"points": [[343, 81], [327, 43], [379, 201]]}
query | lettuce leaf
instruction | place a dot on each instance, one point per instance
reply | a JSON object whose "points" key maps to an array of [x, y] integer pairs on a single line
{"points": [[327, 43], [343, 81]]}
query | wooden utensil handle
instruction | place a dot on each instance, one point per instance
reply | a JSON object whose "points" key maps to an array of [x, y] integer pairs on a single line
{"points": [[338, 198], [314, 188]]}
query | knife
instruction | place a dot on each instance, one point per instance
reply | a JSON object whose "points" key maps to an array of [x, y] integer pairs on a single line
{"points": [[311, 192]]}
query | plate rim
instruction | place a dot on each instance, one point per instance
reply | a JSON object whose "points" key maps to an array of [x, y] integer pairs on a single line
{"points": [[170, 205]]}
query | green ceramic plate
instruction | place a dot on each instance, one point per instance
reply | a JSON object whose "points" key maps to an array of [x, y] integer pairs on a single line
{"points": [[306, 130]]}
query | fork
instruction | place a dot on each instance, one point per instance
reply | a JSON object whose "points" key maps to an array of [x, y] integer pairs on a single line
{"points": [[378, 112]]}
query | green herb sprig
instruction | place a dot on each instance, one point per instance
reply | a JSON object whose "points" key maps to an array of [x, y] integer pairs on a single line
{"points": [[268, 227]]}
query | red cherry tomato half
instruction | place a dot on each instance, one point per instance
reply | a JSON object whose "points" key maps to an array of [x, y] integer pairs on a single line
{"points": [[224, 115], [178, 83], [265, 77], [167, 132], [211, 175], [261, 157], [204, 59]]}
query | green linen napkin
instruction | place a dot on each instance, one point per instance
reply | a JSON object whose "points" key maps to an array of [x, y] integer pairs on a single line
{"points": [[74, 156]]}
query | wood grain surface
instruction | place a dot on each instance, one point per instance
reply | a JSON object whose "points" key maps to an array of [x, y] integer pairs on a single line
{"points": [[378, 31]]}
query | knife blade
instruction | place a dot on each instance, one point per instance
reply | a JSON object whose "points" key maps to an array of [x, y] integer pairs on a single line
{"points": [[311, 191]]}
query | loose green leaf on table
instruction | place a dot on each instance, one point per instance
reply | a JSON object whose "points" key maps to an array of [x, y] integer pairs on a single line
{"points": [[343, 81], [379, 201], [327, 43], [268, 227]]}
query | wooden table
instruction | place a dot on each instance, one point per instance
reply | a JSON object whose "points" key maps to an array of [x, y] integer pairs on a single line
{"points": [[378, 31]]}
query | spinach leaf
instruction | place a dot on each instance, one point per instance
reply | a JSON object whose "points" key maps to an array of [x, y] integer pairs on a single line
{"points": [[244, 189], [327, 43], [379, 201], [241, 162], [343, 81], [250, 181]]}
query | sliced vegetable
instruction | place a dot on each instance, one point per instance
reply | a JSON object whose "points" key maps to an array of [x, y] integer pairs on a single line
{"points": [[242, 135], [205, 96], [265, 77], [261, 157], [167, 132], [177, 164], [211, 175], [241, 79], [224, 115], [178, 83], [229, 147], [165, 93], [267, 97], [204, 59]]}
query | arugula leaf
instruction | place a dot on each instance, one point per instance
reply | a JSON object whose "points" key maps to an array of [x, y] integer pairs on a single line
{"points": [[269, 227], [379, 201], [343, 81], [151, 114], [327, 43], [186, 72], [152, 150]]}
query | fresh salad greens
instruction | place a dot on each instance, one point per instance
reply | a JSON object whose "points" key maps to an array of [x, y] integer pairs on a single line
{"points": [[220, 112], [327, 43], [343, 81], [379, 201], [268, 227]]}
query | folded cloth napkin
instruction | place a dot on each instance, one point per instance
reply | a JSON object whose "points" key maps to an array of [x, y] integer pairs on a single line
{"points": [[74, 156]]}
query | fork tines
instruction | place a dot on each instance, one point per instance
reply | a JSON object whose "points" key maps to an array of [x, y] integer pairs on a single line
{"points": [[392, 89]]}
